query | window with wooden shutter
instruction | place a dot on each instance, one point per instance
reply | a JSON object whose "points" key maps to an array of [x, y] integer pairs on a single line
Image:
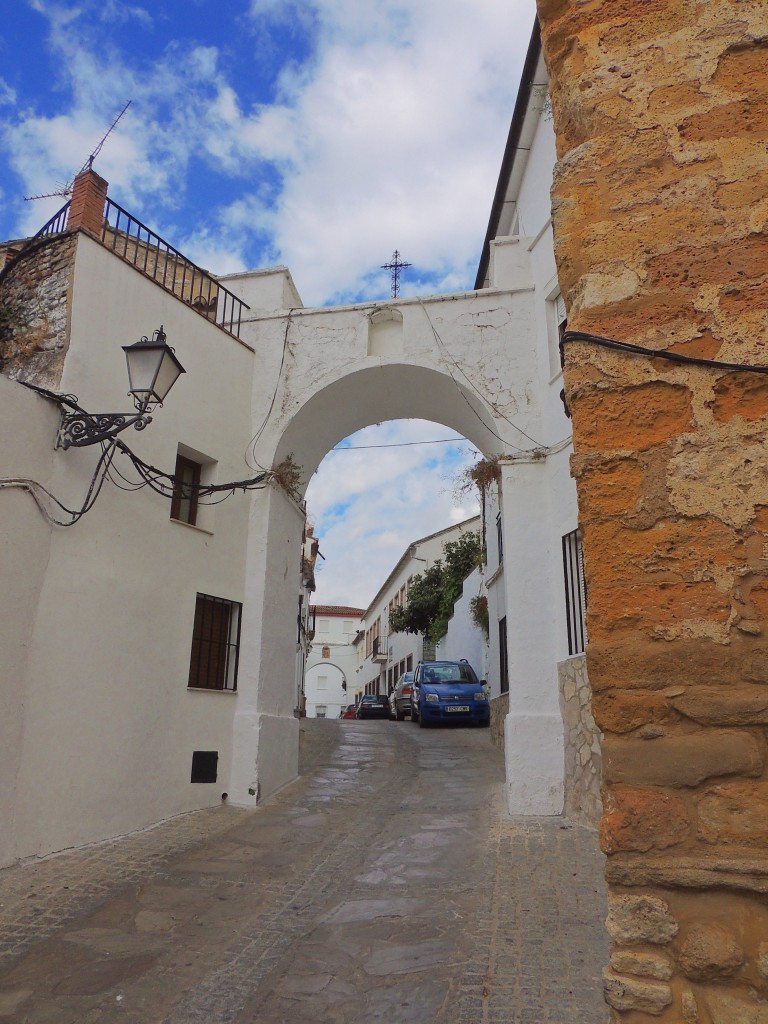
{"points": [[186, 489], [214, 658]]}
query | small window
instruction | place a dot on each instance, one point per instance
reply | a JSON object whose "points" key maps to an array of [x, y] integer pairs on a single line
{"points": [[215, 644], [558, 324], [322, 682], [186, 488], [409, 663], [321, 710], [499, 538], [503, 657]]}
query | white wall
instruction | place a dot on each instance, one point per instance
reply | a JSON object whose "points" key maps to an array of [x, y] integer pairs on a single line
{"points": [[464, 639], [109, 725]]}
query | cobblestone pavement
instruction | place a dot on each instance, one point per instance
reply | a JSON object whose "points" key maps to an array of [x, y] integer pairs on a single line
{"points": [[386, 884]]}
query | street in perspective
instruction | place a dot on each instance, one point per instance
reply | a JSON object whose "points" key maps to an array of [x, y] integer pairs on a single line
{"points": [[387, 883]]}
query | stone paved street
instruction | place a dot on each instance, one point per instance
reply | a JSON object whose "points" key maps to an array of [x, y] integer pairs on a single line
{"points": [[386, 884]]}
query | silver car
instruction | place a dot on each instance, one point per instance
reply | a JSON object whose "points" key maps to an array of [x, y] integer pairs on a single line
{"points": [[400, 698]]}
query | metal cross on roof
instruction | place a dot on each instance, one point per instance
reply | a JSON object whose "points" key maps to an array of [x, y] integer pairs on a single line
{"points": [[394, 266]]}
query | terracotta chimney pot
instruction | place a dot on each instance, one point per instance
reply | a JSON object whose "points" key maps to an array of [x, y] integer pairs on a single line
{"points": [[86, 208]]}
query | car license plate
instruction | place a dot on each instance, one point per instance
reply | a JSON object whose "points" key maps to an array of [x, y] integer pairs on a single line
{"points": [[457, 707]]}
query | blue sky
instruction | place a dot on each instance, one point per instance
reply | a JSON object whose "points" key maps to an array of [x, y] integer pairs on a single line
{"points": [[320, 134]]}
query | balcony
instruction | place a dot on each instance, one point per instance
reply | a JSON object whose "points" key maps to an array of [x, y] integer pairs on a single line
{"points": [[379, 652]]}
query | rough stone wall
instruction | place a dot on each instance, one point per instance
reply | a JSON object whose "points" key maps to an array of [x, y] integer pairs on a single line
{"points": [[582, 744], [499, 711], [660, 205], [34, 311]]}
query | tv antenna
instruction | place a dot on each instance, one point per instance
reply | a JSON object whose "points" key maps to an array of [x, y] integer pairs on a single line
{"points": [[66, 189]]}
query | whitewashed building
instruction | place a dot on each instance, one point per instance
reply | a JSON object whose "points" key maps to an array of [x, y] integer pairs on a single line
{"points": [[329, 685], [389, 654]]}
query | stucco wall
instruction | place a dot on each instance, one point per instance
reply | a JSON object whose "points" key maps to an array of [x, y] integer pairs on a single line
{"points": [[109, 725]]}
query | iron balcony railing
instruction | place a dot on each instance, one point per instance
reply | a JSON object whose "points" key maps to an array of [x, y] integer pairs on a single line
{"points": [[150, 254], [379, 652]]}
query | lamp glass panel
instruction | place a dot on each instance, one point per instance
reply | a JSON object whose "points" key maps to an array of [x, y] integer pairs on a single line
{"points": [[142, 367], [167, 375]]}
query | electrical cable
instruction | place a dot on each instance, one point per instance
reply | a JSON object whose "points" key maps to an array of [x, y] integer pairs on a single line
{"points": [[442, 346], [251, 447], [642, 350], [401, 444]]}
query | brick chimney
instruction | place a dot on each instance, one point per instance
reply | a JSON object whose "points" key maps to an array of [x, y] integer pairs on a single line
{"points": [[86, 208]]}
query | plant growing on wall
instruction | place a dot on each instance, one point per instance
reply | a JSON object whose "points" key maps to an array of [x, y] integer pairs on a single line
{"points": [[287, 474], [478, 609], [433, 593]]}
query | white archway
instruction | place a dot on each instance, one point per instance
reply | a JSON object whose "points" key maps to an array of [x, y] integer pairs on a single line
{"points": [[467, 362]]}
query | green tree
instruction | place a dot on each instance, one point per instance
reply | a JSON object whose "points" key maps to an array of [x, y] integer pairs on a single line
{"points": [[432, 594]]}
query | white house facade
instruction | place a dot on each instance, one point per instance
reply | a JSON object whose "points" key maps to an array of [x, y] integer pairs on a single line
{"points": [[388, 654], [330, 676]]}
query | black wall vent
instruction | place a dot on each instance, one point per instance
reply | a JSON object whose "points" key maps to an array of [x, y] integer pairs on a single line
{"points": [[204, 765]]}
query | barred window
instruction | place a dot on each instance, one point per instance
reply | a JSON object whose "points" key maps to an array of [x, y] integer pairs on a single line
{"points": [[215, 644], [575, 592]]}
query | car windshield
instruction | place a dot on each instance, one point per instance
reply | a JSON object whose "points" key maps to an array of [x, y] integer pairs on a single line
{"points": [[461, 673]]}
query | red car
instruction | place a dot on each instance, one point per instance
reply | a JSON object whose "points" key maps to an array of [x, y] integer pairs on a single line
{"points": [[350, 711]]}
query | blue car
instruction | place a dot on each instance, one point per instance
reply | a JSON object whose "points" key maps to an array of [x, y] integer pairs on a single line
{"points": [[448, 691]]}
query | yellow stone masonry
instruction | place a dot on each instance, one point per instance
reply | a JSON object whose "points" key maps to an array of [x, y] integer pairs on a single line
{"points": [[660, 208]]}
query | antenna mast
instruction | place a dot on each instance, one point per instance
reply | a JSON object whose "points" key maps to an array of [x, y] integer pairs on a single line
{"points": [[66, 190]]}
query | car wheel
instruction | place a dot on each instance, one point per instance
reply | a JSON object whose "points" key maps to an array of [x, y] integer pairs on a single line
{"points": [[423, 723], [399, 714], [414, 713], [485, 723]]}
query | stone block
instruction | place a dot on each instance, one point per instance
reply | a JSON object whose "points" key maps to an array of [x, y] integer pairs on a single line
{"points": [[656, 608], [627, 993], [735, 812], [632, 418], [642, 820], [642, 918], [646, 965], [727, 1006], [622, 711], [681, 760], [742, 874], [744, 705], [709, 952], [611, 488]]}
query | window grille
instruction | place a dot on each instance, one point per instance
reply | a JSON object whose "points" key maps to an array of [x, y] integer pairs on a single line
{"points": [[215, 644], [575, 592]]}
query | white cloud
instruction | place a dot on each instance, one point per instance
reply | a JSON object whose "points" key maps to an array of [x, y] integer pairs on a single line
{"points": [[402, 125], [369, 504], [389, 135]]}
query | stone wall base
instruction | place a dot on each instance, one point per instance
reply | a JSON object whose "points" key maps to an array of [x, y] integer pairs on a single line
{"points": [[582, 744], [499, 711]]}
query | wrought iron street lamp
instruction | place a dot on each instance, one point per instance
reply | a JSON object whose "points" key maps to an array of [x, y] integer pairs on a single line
{"points": [[153, 369]]}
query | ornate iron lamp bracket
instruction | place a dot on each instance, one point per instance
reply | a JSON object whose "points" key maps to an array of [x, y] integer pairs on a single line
{"points": [[79, 429]]}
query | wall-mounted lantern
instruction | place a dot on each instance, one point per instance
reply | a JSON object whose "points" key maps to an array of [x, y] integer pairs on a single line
{"points": [[153, 369]]}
